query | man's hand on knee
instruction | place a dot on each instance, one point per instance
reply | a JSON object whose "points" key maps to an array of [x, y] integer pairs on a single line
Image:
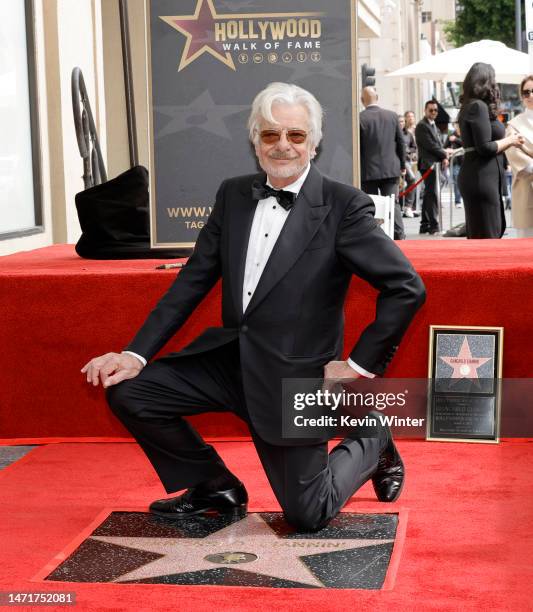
{"points": [[111, 368], [339, 370], [334, 373]]}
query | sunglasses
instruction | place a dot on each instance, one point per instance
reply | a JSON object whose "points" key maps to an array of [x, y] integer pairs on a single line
{"points": [[433, 110], [273, 136], [527, 92]]}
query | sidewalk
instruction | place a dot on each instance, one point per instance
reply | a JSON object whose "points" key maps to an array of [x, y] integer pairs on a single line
{"points": [[412, 226]]}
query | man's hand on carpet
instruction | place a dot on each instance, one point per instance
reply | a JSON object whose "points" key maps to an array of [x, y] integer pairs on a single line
{"points": [[111, 368]]}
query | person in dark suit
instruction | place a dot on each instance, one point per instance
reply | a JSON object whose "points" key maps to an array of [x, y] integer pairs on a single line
{"points": [[482, 176], [382, 153], [411, 156], [430, 151], [285, 242]]}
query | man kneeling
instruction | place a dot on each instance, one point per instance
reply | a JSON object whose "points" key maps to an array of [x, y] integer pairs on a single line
{"points": [[286, 243]]}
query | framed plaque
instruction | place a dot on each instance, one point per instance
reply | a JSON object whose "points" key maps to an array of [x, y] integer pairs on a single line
{"points": [[464, 395]]}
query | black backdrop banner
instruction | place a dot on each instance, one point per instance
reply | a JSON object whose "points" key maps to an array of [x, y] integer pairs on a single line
{"points": [[207, 59]]}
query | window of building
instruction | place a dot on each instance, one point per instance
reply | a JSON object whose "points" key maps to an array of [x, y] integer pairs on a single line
{"points": [[20, 202], [426, 16]]}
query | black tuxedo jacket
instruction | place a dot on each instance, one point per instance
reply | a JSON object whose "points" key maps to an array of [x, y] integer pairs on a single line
{"points": [[294, 323], [382, 144], [430, 149]]}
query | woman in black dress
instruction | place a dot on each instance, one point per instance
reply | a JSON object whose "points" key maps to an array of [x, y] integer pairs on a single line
{"points": [[482, 176]]}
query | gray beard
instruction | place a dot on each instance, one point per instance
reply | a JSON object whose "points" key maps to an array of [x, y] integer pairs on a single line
{"points": [[284, 172]]}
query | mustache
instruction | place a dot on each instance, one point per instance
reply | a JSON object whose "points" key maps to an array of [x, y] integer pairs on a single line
{"points": [[278, 155]]}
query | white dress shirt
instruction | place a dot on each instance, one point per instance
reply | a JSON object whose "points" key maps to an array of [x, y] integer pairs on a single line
{"points": [[269, 219]]}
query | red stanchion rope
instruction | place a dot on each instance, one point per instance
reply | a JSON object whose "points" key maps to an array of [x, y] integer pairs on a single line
{"points": [[414, 185]]}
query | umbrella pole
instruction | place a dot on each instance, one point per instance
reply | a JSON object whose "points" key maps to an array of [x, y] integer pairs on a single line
{"points": [[518, 24]]}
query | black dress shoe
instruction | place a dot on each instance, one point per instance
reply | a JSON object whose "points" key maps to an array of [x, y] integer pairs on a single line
{"points": [[232, 502], [389, 476]]}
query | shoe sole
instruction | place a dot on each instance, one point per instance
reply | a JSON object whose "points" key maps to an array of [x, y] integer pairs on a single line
{"points": [[238, 512]]}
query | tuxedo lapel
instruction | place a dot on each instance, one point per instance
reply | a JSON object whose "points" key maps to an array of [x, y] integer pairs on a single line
{"points": [[305, 218], [242, 216]]}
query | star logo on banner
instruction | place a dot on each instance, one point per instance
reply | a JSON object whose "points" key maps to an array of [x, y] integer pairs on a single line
{"points": [[463, 364], [248, 543], [199, 30], [201, 113]]}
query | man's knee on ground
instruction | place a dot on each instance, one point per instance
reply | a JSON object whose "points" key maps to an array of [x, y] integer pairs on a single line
{"points": [[305, 519]]}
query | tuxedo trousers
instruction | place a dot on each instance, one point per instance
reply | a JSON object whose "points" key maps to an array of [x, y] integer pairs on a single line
{"points": [[310, 484]]}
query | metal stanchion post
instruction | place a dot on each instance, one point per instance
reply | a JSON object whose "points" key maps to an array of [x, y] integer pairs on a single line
{"points": [[437, 179], [416, 205], [452, 188]]}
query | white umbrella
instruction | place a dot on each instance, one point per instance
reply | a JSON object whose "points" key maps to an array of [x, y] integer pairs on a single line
{"points": [[511, 66]]}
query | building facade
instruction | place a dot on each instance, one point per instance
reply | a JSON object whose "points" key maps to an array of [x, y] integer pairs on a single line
{"points": [[40, 166], [410, 30]]}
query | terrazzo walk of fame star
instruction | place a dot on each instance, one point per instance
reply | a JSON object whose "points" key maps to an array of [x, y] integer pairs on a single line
{"points": [[260, 550]]}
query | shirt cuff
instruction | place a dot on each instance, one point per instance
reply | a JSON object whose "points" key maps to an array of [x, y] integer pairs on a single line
{"points": [[141, 359], [359, 369]]}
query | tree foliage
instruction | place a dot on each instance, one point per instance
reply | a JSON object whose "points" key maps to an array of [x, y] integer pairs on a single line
{"points": [[483, 19]]}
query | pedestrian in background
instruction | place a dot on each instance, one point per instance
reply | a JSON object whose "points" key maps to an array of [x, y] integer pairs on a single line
{"points": [[454, 142], [522, 163], [382, 153], [409, 200], [482, 174], [410, 121], [430, 152]]}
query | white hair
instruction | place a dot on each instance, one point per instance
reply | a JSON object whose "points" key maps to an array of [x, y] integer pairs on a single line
{"points": [[285, 93]]}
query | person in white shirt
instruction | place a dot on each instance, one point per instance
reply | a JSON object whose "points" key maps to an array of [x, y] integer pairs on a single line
{"points": [[521, 161], [285, 243]]}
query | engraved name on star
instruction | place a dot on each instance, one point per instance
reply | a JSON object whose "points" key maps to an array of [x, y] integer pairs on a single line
{"points": [[277, 557], [463, 364]]}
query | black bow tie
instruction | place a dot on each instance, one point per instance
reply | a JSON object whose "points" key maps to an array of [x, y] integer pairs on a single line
{"points": [[284, 198]]}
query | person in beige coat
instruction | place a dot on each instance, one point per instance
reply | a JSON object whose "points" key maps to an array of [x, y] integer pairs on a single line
{"points": [[521, 160]]}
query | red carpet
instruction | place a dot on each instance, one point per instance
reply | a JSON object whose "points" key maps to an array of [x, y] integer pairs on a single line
{"points": [[58, 311], [468, 541]]}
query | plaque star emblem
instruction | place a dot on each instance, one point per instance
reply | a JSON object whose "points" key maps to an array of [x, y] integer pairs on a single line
{"points": [[199, 31], [463, 364], [276, 557]]}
